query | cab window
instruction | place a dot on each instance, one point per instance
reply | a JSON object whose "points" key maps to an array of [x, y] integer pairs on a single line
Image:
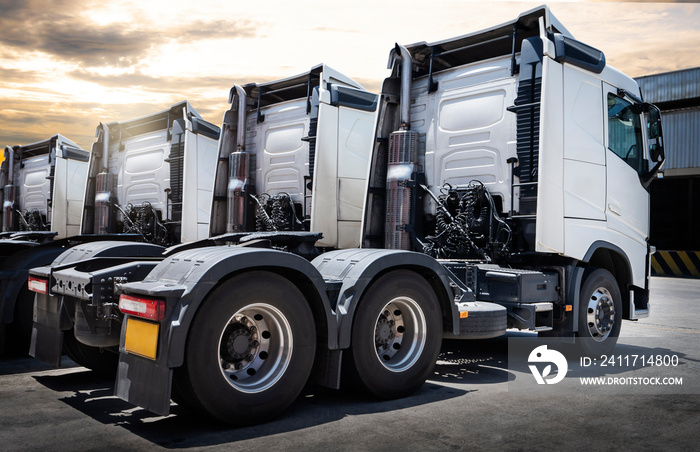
{"points": [[625, 132]]}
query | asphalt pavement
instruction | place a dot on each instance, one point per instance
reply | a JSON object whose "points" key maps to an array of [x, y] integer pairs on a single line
{"points": [[470, 403]]}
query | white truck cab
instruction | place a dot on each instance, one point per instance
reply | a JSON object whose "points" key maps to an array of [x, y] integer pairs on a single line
{"points": [[43, 186], [153, 176], [307, 139], [526, 149]]}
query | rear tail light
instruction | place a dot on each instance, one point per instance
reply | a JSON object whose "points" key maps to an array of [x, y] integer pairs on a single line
{"points": [[38, 285], [147, 308]]}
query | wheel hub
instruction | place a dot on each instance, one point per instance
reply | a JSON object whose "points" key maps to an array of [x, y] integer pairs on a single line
{"points": [[600, 314], [385, 330], [386, 334], [240, 343], [399, 334], [255, 347]]}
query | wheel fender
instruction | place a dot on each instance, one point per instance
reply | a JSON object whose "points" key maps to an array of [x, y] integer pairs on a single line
{"points": [[356, 269], [185, 279], [8, 248], [14, 274], [46, 258], [112, 248], [39, 259], [612, 247], [100, 249], [573, 293], [624, 269]]}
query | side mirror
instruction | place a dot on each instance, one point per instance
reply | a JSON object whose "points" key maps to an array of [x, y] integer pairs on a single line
{"points": [[655, 133], [655, 152], [656, 143], [654, 122]]}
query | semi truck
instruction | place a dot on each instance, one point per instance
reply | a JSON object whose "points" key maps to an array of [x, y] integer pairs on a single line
{"points": [[276, 139], [266, 197], [42, 187], [148, 186], [506, 187]]}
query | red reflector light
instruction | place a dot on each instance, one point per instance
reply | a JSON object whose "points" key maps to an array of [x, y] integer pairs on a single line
{"points": [[146, 308], [38, 285]]}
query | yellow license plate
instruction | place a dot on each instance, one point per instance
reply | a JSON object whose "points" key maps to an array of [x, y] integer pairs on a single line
{"points": [[141, 337]]}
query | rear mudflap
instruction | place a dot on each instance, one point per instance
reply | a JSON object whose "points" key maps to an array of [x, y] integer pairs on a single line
{"points": [[47, 344], [51, 317], [144, 383]]}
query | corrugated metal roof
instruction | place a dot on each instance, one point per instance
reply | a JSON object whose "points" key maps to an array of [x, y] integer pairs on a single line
{"points": [[681, 138], [670, 86]]}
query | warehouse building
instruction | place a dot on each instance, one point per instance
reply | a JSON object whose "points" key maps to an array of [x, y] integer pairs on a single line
{"points": [[675, 197]]}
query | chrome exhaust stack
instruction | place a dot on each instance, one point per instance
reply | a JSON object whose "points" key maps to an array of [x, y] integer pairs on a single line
{"points": [[9, 207], [406, 79], [402, 163], [104, 189], [238, 170]]}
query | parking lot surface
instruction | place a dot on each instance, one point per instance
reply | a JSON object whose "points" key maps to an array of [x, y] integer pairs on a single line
{"points": [[469, 403]]}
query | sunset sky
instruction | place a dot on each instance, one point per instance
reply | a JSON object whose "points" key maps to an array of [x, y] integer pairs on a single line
{"points": [[66, 65]]}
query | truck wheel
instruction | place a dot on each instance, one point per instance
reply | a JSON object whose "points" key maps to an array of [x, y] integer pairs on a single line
{"points": [[101, 360], [250, 350], [396, 336], [600, 313]]}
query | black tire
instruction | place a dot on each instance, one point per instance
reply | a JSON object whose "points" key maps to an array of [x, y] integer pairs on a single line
{"points": [[600, 313], [101, 360], [396, 336], [249, 351]]}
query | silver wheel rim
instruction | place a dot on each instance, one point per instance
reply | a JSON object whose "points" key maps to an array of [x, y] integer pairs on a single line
{"points": [[600, 314], [255, 348], [399, 334]]}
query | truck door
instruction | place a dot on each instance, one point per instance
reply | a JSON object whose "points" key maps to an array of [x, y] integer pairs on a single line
{"points": [[627, 202]]}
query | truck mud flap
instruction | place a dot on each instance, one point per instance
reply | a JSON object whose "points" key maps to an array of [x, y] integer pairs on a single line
{"points": [[50, 319], [50, 344], [144, 383], [479, 320]]}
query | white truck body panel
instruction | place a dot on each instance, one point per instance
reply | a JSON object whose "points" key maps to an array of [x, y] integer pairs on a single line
{"points": [[334, 77], [35, 183], [323, 202], [282, 158], [467, 133], [586, 193], [549, 235], [69, 190], [341, 189], [143, 175], [584, 147], [198, 185], [338, 196]]}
